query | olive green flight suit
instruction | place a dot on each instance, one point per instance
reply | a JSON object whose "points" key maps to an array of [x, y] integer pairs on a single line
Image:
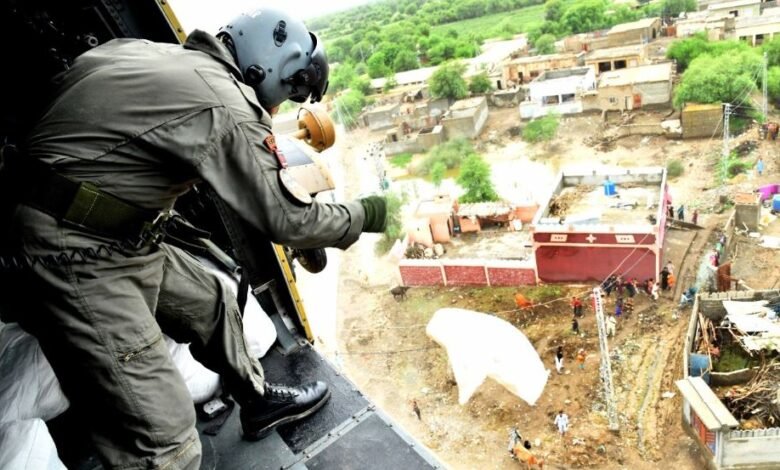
{"points": [[145, 121]]}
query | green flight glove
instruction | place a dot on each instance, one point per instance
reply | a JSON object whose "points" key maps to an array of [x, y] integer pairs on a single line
{"points": [[375, 208]]}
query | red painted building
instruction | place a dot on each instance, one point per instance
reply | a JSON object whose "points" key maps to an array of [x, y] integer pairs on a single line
{"points": [[583, 234]]}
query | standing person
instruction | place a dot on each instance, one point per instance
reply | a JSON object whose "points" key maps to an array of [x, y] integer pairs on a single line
{"points": [[559, 359], [132, 125], [632, 287], [695, 217], [681, 213], [581, 355], [671, 281], [654, 292], [514, 440], [664, 279], [628, 307], [416, 409], [760, 166], [611, 324], [618, 307], [575, 326], [619, 285], [576, 305], [649, 283], [670, 211], [669, 267], [562, 423]]}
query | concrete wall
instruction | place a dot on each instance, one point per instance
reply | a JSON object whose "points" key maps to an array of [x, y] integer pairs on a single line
{"points": [[747, 215], [430, 137], [506, 98], [751, 449], [632, 175], [381, 119], [711, 305], [532, 110], [655, 93], [461, 272], [698, 122], [466, 123]]}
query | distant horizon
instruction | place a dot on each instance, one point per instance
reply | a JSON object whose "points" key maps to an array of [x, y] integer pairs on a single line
{"points": [[210, 16]]}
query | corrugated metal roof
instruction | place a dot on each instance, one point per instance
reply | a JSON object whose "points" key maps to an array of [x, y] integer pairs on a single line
{"points": [[707, 406]]}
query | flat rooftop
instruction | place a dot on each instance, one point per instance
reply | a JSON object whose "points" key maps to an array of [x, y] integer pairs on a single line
{"points": [[613, 52], [641, 24], [543, 58], [578, 199], [642, 74], [467, 103], [588, 204]]}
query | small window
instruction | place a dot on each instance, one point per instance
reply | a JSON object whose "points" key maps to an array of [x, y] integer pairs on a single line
{"points": [[605, 66], [620, 64], [759, 39], [734, 13], [613, 100], [568, 97], [548, 100]]}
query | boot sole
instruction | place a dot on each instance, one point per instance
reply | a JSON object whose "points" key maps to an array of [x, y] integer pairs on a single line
{"points": [[257, 435]]}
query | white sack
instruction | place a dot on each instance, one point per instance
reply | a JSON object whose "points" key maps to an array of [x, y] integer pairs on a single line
{"points": [[201, 382], [259, 330], [28, 386], [27, 445], [480, 346]]}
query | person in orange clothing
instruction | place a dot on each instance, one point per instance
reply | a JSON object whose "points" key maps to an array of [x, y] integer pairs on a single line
{"points": [[670, 281], [581, 355]]}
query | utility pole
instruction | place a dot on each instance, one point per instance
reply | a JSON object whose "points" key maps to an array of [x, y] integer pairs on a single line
{"points": [[605, 367], [726, 114], [764, 103]]}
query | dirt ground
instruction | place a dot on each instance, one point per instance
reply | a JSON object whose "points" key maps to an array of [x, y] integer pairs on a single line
{"points": [[382, 346]]}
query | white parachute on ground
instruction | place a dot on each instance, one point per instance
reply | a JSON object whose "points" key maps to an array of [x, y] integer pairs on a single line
{"points": [[481, 345]]}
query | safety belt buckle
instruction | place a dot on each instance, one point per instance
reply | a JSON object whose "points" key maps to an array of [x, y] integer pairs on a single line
{"points": [[153, 232]]}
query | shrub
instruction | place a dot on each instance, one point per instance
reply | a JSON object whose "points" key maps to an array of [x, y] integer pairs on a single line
{"points": [[401, 160], [541, 129], [674, 168], [395, 228]]}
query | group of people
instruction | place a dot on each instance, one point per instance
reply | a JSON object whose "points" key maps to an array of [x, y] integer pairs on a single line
{"points": [[520, 449], [681, 213]]}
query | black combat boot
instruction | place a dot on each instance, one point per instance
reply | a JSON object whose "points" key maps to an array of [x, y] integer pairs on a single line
{"points": [[281, 404]]}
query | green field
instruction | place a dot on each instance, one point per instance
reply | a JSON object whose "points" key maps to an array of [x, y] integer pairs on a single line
{"points": [[498, 24]]}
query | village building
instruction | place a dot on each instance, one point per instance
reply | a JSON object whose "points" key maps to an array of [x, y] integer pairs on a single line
{"points": [[636, 32], [734, 321], [525, 69], [718, 26], [736, 8], [381, 116], [465, 118], [583, 233], [584, 42], [701, 120], [757, 29], [632, 88], [558, 91], [616, 58]]}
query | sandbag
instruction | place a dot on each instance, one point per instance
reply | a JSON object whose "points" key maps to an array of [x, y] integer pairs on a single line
{"points": [[27, 445], [481, 346], [28, 386]]}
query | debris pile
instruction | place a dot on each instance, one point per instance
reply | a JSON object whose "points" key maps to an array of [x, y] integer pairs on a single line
{"points": [[561, 203], [420, 251], [759, 399]]}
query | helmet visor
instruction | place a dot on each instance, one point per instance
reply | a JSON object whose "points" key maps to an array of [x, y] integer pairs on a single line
{"points": [[311, 82]]}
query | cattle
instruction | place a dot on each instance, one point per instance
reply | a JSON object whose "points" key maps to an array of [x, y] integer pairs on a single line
{"points": [[399, 292]]}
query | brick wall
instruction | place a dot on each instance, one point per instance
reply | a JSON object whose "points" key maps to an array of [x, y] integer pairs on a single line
{"points": [[467, 273]]}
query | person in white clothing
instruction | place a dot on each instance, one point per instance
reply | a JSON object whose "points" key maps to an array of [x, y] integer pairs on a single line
{"points": [[562, 422], [559, 359], [654, 292], [611, 324]]}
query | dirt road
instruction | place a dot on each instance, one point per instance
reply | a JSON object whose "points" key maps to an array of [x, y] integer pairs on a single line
{"points": [[382, 344]]}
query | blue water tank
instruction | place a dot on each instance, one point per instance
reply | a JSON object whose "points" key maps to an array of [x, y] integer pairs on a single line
{"points": [[609, 188], [776, 203]]}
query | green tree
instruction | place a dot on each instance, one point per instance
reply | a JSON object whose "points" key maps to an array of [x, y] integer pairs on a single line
{"points": [[675, 7], [772, 49], [341, 77], [377, 67], [480, 83], [394, 229], [362, 84], [585, 16], [728, 78], [390, 83], [474, 178], [541, 129], [773, 84], [447, 81], [405, 60], [686, 50], [437, 173], [553, 10], [545, 44], [348, 107]]}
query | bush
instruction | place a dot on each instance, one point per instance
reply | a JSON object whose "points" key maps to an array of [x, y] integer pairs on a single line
{"points": [[450, 153], [395, 229], [543, 293], [542, 129], [674, 168], [401, 160], [475, 178]]}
